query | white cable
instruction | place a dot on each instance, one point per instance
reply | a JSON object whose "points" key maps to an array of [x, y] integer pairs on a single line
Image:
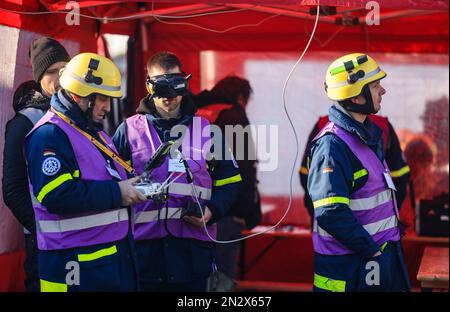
{"points": [[156, 17], [283, 98], [324, 44], [218, 31], [165, 181], [170, 183], [202, 14], [124, 18]]}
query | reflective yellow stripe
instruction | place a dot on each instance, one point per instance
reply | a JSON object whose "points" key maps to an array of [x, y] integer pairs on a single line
{"points": [[331, 200], [383, 246], [304, 170], [329, 284], [359, 174], [76, 174], [98, 254], [52, 185], [226, 181], [400, 172], [47, 286]]}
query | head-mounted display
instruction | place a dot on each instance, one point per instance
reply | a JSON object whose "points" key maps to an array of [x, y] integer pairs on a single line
{"points": [[168, 85]]}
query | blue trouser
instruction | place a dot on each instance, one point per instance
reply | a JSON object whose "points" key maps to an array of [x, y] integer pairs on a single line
{"points": [[102, 267], [174, 264], [226, 254], [350, 273], [31, 264], [198, 285]]}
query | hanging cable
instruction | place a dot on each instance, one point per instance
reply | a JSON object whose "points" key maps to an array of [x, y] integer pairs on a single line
{"points": [[215, 30], [128, 17]]}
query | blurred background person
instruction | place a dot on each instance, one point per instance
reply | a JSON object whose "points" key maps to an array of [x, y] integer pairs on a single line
{"points": [[31, 101], [225, 105]]}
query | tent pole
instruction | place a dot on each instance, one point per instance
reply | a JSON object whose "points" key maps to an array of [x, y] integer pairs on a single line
{"points": [[403, 13], [192, 12]]}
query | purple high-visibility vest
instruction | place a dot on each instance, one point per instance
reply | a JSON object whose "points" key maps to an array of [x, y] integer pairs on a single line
{"points": [[151, 220], [373, 204], [56, 231]]}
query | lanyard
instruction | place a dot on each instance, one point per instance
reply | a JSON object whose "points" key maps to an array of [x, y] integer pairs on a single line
{"points": [[103, 148]]}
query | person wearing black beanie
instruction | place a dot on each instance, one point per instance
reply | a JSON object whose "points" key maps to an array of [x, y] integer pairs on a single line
{"points": [[47, 57], [45, 52], [31, 101]]}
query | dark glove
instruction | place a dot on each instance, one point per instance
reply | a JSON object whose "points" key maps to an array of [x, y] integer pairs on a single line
{"points": [[192, 209]]}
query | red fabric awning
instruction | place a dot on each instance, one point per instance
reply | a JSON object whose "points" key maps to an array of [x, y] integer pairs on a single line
{"points": [[389, 4], [413, 26]]}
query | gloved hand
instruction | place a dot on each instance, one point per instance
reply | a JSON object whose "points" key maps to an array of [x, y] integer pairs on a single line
{"points": [[198, 221], [192, 209]]}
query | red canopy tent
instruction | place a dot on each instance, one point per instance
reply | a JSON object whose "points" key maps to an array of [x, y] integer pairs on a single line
{"points": [[418, 26], [189, 27]]}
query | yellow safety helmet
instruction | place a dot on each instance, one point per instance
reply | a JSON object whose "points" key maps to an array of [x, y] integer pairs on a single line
{"points": [[347, 76], [89, 73]]}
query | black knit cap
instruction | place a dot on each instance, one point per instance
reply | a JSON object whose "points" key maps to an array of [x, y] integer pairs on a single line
{"points": [[44, 52]]}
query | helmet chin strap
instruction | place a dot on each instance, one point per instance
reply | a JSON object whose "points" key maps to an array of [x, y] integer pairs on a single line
{"points": [[366, 108], [90, 111]]}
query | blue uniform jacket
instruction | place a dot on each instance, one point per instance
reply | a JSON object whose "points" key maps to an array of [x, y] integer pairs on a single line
{"points": [[331, 151], [395, 160], [72, 196], [172, 259], [337, 219]]}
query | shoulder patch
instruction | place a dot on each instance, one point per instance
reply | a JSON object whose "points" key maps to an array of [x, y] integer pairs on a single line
{"points": [[51, 166]]}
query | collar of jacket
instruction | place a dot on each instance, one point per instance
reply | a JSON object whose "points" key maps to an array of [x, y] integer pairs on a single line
{"points": [[33, 98], [369, 133], [65, 105]]}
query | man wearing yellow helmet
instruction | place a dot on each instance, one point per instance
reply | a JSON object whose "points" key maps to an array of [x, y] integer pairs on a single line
{"points": [[356, 232], [79, 185]]}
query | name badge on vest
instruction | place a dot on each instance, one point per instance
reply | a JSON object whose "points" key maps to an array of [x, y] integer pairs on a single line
{"points": [[390, 183], [113, 172], [176, 165]]}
